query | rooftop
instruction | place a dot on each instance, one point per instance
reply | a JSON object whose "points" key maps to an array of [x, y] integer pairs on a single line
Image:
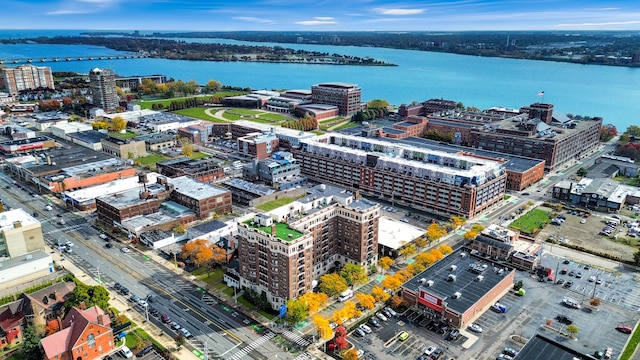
{"points": [[195, 189], [543, 348], [283, 231], [8, 218], [465, 281], [109, 188], [394, 233], [89, 136]]}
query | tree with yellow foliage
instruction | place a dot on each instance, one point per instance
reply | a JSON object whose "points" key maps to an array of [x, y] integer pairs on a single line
{"points": [[385, 262], [397, 302], [437, 254], [416, 268], [392, 282], [470, 235], [187, 150], [314, 301], [403, 275], [420, 242], [435, 232], [425, 259], [118, 123], [477, 228], [445, 249], [379, 294], [407, 249], [332, 284], [322, 327], [100, 125], [457, 221], [350, 354], [366, 300]]}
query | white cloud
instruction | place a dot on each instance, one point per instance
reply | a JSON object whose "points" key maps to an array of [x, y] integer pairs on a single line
{"points": [[254, 19], [70, 12], [612, 23], [324, 18], [315, 22], [401, 12]]}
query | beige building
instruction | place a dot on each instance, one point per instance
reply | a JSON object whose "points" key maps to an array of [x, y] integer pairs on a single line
{"points": [[27, 77], [283, 253], [124, 149], [20, 234]]}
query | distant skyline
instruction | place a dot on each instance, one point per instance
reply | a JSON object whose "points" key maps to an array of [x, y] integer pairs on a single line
{"points": [[320, 15]]}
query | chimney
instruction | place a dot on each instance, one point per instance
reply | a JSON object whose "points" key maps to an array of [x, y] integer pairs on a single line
{"points": [[273, 229], [100, 321], [232, 242], [83, 306], [17, 224]]}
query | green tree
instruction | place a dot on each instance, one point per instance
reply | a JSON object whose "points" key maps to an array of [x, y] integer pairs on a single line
{"points": [[212, 86], [378, 103], [572, 329], [297, 311], [636, 257], [89, 295], [354, 274], [332, 284], [582, 171], [633, 130], [30, 348], [180, 340]]}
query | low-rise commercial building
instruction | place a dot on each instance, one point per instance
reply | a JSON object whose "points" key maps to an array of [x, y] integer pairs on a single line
{"points": [[205, 170], [458, 289], [124, 148], [20, 234]]}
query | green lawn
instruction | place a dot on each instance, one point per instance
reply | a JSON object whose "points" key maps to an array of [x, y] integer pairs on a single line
{"points": [[127, 135], [345, 126], [215, 275], [268, 206], [317, 132], [535, 219], [197, 155], [151, 159], [627, 353], [243, 111], [274, 117], [232, 117], [198, 113], [283, 231]]}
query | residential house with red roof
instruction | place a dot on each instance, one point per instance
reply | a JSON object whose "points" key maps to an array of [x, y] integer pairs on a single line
{"points": [[86, 335]]}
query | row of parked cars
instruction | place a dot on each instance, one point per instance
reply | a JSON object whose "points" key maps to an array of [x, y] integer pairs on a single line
{"points": [[376, 321]]}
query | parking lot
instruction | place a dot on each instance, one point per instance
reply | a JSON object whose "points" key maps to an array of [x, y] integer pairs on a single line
{"points": [[543, 301]]}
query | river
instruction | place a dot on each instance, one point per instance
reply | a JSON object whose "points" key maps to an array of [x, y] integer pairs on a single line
{"points": [[483, 82]]}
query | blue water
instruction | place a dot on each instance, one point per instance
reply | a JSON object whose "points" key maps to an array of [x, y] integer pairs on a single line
{"points": [[589, 90]]}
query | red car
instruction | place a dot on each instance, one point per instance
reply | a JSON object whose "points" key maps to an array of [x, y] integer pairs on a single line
{"points": [[624, 329], [165, 318]]}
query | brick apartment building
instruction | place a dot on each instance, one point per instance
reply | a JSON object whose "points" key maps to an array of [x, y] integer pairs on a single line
{"points": [[347, 97], [283, 252], [27, 77], [205, 170], [258, 145], [438, 182]]}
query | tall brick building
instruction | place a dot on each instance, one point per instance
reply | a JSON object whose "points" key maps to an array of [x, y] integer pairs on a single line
{"points": [[282, 253], [347, 97]]}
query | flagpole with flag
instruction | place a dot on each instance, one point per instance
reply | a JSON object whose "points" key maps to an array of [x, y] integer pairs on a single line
{"points": [[541, 93]]}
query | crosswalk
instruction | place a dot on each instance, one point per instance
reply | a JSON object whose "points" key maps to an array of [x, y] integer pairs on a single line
{"points": [[252, 346], [296, 338], [304, 356], [209, 300]]}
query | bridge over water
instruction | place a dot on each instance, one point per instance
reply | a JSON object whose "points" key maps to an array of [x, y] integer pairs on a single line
{"points": [[69, 58]]}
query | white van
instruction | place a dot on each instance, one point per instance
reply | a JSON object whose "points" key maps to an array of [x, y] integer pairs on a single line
{"points": [[125, 352], [347, 294], [237, 164], [48, 208]]}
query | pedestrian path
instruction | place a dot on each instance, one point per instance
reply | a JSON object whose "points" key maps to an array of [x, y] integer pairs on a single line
{"points": [[252, 346]]}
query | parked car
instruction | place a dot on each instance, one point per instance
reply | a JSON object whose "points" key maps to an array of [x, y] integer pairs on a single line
{"points": [[578, 275], [154, 312], [185, 332], [108, 246], [560, 281], [510, 352], [152, 298], [145, 351], [359, 332], [373, 321], [391, 311], [568, 284], [437, 354], [125, 352], [564, 271], [165, 318], [497, 307], [572, 273], [403, 336], [365, 328], [381, 317], [563, 319], [117, 286], [625, 329], [125, 250], [453, 335], [504, 357], [475, 328], [124, 291], [430, 350], [175, 326]]}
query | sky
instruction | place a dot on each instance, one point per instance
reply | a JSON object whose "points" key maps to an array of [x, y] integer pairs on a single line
{"points": [[321, 15]]}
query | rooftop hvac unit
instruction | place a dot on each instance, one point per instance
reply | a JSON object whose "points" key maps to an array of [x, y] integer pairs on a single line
{"points": [[456, 295], [422, 281], [430, 283], [463, 254], [453, 268], [479, 278], [451, 278]]}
